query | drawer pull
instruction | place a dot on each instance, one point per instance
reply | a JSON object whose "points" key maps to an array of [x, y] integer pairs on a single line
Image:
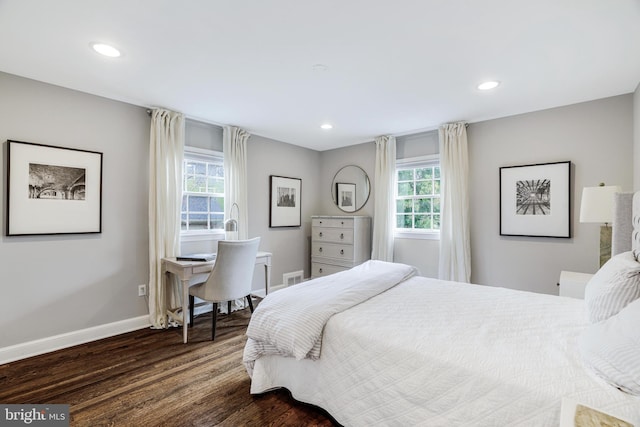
{"points": [[341, 251], [320, 270], [342, 235], [320, 234], [319, 249], [341, 222]]}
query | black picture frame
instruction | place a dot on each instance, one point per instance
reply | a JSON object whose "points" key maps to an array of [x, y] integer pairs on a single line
{"points": [[346, 195], [52, 190], [285, 195], [535, 200]]}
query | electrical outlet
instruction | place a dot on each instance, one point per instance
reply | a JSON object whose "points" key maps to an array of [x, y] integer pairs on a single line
{"points": [[142, 290]]}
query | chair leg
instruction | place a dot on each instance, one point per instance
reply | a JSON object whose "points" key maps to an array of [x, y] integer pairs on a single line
{"points": [[250, 303], [228, 307], [191, 302], [214, 315]]}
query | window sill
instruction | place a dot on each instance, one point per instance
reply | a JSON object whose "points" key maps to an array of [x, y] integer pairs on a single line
{"points": [[199, 237], [418, 235]]}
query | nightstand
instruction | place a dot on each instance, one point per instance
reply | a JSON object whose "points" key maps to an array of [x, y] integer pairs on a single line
{"points": [[572, 284]]}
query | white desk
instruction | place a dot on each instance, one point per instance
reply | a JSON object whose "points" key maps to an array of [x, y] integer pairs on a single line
{"points": [[185, 270]]}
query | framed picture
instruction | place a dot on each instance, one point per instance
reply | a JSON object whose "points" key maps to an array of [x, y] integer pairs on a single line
{"points": [[535, 200], [52, 190], [285, 196], [346, 194]]}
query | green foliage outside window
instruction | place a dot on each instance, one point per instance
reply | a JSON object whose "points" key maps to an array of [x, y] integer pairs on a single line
{"points": [[418, 198]]}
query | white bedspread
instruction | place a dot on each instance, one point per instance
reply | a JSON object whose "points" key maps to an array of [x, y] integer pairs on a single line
{"points": [[290, 322], [434, 353]]}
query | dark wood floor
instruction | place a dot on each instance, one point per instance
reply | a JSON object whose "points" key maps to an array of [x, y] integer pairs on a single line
{"points": [[150, 378]]}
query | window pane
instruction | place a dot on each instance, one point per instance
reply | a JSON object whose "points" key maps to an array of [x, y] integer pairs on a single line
{"points": [[405, 189], [404, 221], [404, 206], [422, 205], [216, 170], [405, 175], [418, 198], [424, 188], [217, 221], [424, 173], [189, 167], [196, 184], [198, 222], [423, 222], [216, 204], [204, 210], [216, 185], [198, 203], [200, 168], [436, 222]]}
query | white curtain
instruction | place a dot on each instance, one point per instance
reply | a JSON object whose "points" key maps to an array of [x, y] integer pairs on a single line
{"points": [[235, 177], [384, 213], [455, 247], [166, 152]]}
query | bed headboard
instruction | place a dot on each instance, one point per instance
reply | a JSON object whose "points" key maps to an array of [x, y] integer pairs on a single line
{"points": [[626, 223]]}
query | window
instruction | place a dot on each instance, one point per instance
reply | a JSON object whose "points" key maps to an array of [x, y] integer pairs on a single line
{"points": [[202, 209], [418, 195]]}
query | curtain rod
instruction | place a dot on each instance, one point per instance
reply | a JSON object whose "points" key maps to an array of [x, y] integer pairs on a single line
{"points": [[207, 122], [149, 111]]}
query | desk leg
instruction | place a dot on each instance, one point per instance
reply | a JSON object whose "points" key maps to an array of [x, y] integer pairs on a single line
{"points": [[267, 278], [185, 310]]}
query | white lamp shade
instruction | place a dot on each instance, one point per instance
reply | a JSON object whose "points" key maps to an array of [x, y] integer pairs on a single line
{"points": [[597, 203]]}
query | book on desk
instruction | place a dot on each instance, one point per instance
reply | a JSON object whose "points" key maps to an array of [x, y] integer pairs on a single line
{"points": [[196, 257]]}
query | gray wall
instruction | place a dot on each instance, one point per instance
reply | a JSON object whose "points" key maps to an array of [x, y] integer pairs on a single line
{"points": [[290, 246], [265, 157], [363, 155], [636, 139], [50, 285], [57, 284], [597, 137], [420, 253]]}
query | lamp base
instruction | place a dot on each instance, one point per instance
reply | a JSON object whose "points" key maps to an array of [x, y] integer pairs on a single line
{"points": [[605, 244]]}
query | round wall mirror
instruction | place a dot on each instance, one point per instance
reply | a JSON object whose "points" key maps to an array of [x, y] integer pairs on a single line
{"points": [[350, 188]]}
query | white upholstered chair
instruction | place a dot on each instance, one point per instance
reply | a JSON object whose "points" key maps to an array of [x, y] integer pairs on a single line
{"points": [[230, 278]]}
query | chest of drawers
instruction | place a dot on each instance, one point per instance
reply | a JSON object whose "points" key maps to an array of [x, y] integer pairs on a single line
{"points": [[339, 243]]}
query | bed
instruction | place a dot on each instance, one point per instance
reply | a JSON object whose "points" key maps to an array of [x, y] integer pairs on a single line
{"points": [[393, 348]]}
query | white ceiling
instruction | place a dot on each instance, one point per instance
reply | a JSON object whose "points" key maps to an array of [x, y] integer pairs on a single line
{"points": [[393, 66]]}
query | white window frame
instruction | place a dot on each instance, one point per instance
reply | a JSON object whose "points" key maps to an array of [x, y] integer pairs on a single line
{"points": [[414, 162], [202, 154]]}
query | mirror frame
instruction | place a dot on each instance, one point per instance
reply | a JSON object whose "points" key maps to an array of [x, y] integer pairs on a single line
{"points": [[335, 182]]}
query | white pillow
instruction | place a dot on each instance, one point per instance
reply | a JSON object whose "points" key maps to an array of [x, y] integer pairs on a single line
{"points": [[612, 349], [614, 286]]}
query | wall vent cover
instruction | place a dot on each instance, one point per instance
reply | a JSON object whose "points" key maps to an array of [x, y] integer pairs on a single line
{"points": [[293, 278]]}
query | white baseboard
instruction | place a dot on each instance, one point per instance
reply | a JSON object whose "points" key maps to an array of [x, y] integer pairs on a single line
{"points": [[69, 339]]}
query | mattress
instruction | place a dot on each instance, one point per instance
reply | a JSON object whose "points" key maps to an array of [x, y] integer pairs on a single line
{"points": [[435, 353]]}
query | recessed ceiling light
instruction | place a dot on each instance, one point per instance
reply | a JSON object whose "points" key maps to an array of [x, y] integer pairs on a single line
{"points": [[106, 50], [320, 68], [326, 126], [492, 84]]}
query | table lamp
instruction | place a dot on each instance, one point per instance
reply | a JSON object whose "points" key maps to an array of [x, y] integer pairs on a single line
{"points": [[597, 206], [231, 225]]}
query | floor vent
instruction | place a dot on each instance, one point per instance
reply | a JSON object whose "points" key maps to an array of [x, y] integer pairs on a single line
{"points": [[293, 278]]}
